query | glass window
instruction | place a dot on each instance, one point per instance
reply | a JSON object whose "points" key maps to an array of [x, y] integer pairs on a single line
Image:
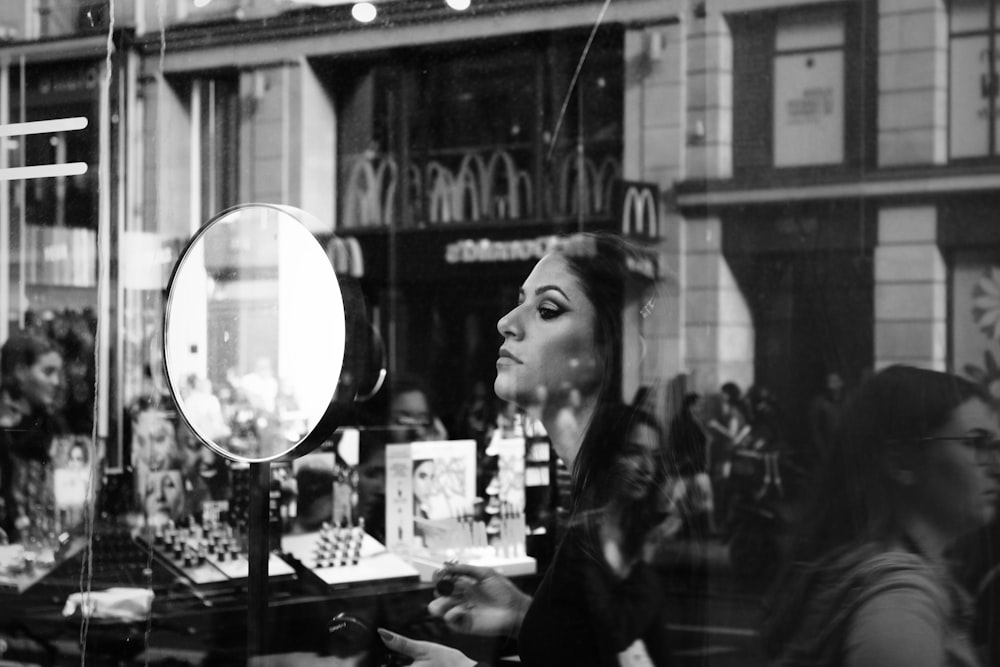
{"points": [[809, 89], [217, 108], [449, 159], [475, 135], [973, 79]]}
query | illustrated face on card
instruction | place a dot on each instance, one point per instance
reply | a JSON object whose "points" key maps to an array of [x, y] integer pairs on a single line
{"points": [[164, 496], [426, 482]]}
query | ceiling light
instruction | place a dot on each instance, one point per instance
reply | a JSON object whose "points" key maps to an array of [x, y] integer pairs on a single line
{"points": [[459, 5], [364, 12]]}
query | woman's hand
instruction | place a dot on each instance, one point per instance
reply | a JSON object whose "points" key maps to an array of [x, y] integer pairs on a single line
{"points": [[424, 654], [481, 602]]}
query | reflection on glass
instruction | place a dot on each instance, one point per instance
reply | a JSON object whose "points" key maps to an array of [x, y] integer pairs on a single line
{"points": [[255, 333]]}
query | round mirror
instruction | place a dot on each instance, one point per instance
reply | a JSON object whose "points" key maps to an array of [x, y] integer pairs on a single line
{"points": [[255, 335]]}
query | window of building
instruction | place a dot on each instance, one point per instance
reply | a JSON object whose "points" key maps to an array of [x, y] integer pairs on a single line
{"points": [[802, 94], [215, 102], [973, 79], [809, 89], [481, 135]]}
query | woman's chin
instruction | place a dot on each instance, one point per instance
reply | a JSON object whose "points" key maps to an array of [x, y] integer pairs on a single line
{"points": [[506, 390], [503, 389]]}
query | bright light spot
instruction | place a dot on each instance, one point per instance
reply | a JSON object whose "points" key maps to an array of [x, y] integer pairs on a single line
{"points": [[459, 5], [43, 171], [364, 12], [43, 126], [201, 3]]}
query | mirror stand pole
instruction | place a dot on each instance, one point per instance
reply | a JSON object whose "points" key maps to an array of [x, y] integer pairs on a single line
{"points": [[260, 484]]}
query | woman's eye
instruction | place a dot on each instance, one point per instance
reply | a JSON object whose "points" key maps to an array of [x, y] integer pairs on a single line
{"points": [[548, 312]]}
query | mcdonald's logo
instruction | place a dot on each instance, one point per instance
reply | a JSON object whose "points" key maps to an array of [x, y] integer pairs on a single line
{"points": [[346, 257], [640, 210]]}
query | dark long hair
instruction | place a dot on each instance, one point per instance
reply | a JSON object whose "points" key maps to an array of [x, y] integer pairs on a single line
{"points": [[854, 501], [604, 265], [855, 496], [620, 463], [21, 349]]}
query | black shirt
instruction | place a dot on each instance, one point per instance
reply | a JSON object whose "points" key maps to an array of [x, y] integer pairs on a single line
{"points": [[583, 614]]}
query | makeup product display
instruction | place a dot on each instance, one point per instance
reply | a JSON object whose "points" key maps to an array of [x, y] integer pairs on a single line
{"points": [[433, 514], [21, 567], [209, 553], [497, 542], [345, 555]]}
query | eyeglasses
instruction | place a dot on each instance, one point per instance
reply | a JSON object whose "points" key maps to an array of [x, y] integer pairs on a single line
{"points": [[985, 446], [419, 422]]}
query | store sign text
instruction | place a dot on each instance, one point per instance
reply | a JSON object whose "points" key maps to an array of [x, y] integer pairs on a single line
{"points": [[812, 105], [470, 251]]}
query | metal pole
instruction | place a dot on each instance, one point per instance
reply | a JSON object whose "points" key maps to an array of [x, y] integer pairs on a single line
{"points": [[260, 483], [5, 220]]}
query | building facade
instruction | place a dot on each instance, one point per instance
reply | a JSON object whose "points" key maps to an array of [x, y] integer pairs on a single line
{"points": [[816, 180], [823, 170], [844, 163]]}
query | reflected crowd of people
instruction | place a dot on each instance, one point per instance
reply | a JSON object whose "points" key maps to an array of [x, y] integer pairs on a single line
{"points": [[46, 421], [891, 557]]}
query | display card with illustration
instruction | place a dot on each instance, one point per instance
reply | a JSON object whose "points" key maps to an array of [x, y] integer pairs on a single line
{"points": [[427, 482], [76, 472]]}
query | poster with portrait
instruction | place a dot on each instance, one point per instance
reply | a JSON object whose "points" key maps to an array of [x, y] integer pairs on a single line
{"points": [[426, 482], [160, 461], [76, 472]]}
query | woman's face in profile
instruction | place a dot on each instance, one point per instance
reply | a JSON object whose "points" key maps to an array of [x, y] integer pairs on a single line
{"points": [[40, 382], [164, 495], [549, 346], [957, 480]]}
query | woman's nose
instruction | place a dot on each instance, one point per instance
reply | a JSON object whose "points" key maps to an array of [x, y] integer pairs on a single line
{"points": [[508, 326]]}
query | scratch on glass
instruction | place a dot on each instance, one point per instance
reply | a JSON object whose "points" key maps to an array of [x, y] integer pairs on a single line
{"points": [[576, 75]]}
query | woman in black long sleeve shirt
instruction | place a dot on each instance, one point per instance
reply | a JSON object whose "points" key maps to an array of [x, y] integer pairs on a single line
{"points": [[561, 360]]}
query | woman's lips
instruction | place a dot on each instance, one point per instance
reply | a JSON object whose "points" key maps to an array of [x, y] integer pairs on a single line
{"points": [[505, 358]]}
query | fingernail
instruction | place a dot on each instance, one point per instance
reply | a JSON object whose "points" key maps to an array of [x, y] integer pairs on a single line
{"points": [[386, 635]]}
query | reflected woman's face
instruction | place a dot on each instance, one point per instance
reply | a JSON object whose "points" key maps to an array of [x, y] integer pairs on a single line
{"points": [[549, 346], [164, 495], [957, 486], [40, 382]]}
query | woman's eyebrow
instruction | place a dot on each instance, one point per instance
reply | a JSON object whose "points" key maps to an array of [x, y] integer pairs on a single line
{"points": [[545, 288]]}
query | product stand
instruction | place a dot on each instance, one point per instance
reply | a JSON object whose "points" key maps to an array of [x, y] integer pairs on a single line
{"points": [[258, 549]]}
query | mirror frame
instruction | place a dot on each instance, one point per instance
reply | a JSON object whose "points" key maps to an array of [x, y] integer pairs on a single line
{"points": [[338, 404]]}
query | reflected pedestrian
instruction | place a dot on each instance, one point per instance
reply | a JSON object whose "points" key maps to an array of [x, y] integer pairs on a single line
{"points": [[914, 466], [30, 378], [824, 414], [693, 493]]}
